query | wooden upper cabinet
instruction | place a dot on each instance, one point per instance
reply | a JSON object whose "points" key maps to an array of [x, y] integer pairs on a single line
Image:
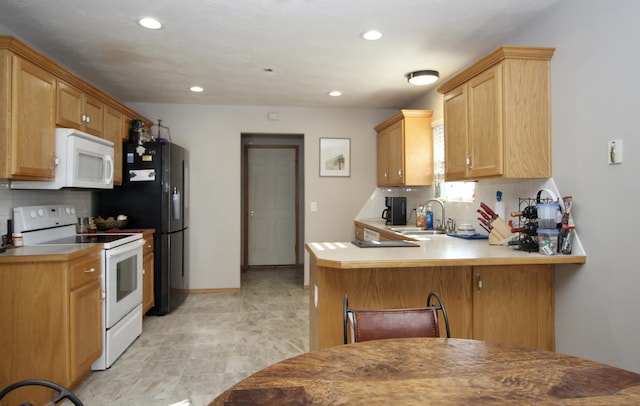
{"points": [[456, 133], [112, 131], [36, 95], [382, 171], [75, 109], [396, 156], [405, 149], [497, 116], [485, 147], [126, 123], [27, 117]]}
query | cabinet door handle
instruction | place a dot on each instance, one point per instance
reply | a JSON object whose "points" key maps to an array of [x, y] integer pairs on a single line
{"points": [[399, 173], [479, 282], [469, 161], [90, 270]]}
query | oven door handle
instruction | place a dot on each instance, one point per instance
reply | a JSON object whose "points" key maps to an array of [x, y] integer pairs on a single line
{"points": [[124, 248]]}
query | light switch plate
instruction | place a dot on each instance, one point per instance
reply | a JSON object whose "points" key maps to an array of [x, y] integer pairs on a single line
{"points": [[614, 152]]}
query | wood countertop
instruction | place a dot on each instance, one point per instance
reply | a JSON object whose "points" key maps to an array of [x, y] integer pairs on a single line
{"points": [[434, 371], [437, 250]]}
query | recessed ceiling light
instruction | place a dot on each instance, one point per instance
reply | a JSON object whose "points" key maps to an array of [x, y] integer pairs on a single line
{"points": [[196, 89], [335, 93], [371, 35], [150, 23]]}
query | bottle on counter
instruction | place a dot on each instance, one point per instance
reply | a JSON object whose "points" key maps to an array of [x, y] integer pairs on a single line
{"points": [[421, 216], [429, 217], [17, 240]]}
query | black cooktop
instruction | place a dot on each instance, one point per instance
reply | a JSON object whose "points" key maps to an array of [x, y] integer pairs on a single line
{"points": [[84, 238]]}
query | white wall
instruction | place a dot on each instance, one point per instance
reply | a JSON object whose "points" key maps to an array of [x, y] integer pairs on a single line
{"points": [[212, 135], [594, 83]]}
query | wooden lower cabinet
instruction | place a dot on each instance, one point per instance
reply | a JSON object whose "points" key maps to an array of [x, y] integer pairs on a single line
{"points": [[85, 322], [514, 306], [51, 323], [148, 300]]}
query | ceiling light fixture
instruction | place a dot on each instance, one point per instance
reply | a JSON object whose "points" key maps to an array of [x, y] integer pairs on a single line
{"points": [[150, 23], [422, 77], [371, 35], [335, 93], [196, 89]]}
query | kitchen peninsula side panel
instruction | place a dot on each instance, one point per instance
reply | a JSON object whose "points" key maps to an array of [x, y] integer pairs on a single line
{"points": [[509, 304]]}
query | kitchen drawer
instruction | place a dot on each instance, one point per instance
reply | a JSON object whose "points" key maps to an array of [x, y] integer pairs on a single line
{"points": [[85, 269]]}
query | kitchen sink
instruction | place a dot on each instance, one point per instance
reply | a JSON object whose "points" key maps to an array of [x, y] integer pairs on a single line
{"points": [[415, 231], [423, 232]]}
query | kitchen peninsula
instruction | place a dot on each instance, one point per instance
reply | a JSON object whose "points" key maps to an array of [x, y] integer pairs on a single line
{"points": [[491, 293]]}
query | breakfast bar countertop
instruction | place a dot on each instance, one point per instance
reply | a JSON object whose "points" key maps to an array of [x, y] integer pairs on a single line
{"points": [[436, 250]]}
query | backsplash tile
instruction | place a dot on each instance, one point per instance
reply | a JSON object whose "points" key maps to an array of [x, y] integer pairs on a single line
{"points": [[462, 212], [80, 199]]}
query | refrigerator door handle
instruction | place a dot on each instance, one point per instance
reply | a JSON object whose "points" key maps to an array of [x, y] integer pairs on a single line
{"points": [[176, 204]]}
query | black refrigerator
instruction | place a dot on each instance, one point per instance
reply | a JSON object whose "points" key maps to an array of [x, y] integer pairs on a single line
{"points": [[154, 194]]}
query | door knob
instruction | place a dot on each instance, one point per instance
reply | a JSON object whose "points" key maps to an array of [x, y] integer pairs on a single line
{"points": [[251, 213]]}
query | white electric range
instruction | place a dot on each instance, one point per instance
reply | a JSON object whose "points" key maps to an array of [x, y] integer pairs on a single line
{"points": [[121, 270]]}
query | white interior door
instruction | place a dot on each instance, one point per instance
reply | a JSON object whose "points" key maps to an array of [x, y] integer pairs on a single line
{"points": [[271, 205]]}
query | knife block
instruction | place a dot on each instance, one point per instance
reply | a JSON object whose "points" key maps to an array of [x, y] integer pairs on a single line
{"points": [[499, 232]]}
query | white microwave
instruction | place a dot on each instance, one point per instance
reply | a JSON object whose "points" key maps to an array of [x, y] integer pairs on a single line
{"points": [[82, 161]]}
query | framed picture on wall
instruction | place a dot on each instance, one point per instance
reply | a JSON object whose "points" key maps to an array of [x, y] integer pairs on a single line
{"points": [[335, 157]]}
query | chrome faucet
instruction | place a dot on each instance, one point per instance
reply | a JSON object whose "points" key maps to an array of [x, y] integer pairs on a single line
{"points": [[442, 223]]}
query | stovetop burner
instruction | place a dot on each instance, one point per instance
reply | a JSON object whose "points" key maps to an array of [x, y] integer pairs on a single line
{"points": [[86, 238]]}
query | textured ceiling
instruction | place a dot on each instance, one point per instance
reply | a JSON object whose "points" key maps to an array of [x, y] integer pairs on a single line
{"points": [[312, 46]]}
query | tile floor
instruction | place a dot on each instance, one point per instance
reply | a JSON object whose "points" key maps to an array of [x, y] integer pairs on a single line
{"points": [[208, 344]]}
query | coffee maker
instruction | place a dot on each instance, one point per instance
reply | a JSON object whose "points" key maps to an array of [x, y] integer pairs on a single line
{"points": [[396, 211]]}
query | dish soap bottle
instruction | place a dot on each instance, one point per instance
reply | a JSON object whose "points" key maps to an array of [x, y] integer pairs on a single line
{"points": [[429, 217], [499, 207]]}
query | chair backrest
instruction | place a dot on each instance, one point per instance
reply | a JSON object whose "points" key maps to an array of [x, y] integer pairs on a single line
{"points": [[379, 324]]}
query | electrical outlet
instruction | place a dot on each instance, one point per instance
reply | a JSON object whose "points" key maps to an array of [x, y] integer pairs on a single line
{"points": [[314, 206], [614, 152]]}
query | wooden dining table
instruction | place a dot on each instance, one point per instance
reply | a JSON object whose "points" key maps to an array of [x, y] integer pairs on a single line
{"points": [[419, 371]]}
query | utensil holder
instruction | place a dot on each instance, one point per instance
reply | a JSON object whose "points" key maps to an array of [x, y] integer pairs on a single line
{"points": [[500, 231]]}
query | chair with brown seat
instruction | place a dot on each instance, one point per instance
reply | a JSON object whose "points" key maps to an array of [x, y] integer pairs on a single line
{"points": [[377, 324]]}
